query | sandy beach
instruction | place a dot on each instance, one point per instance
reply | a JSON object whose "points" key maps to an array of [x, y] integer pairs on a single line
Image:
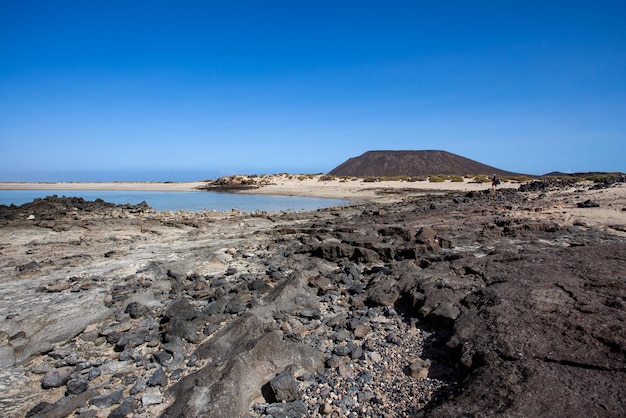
{"points": [[358, 189], [279, 184]]}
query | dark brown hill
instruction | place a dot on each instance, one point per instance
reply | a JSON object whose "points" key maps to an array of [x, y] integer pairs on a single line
{"points": [[413, 163]]}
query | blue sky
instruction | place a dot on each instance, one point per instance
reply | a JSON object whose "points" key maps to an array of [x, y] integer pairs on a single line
{"points": [[158, 90]]}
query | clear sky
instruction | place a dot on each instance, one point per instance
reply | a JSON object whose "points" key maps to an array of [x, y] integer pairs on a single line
{"points": [[180, 90]]}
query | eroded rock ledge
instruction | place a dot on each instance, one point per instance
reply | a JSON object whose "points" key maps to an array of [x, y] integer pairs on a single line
{"points": [[441, 305]]}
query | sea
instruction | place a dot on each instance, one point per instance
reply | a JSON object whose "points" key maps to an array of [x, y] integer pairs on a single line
{"points": [[181, 200]]}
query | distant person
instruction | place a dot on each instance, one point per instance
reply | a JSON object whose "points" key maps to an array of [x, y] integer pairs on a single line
{"points": [[494, 181]]}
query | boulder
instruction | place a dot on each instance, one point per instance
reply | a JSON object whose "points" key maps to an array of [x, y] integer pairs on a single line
{"points": [[181, 309], [384, 292], [284, 386], [227, 386]]}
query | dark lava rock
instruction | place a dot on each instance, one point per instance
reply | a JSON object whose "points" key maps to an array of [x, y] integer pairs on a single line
{"points": [[106, 401], [235, 307], [285, 386], [158, 378], [63, 407], [393, 339], [33, 265], [174, 346], [135, 310], [40, 409], [533, 186], [181, 309], [124, 410], [544, 342], [182, 328], [130, 339], [215, 307], [138, 387], [343, 350], [53, 207], [259, 285], [162, 357], [295, 409], [76, 386], [385, 292], [444, 315], [588, 204], [334, 361], [57, 377]]}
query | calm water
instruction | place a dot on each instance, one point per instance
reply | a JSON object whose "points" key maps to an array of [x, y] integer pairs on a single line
{"points": [[195, 201]]}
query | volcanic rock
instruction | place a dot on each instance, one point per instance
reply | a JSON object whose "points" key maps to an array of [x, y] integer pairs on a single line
{"points": [[499, 303], [57, 377], [285, 387], [105, 401], [412, 163]]}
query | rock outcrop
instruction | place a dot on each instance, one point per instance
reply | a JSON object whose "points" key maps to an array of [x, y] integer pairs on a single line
{"points": [[437, 305]]}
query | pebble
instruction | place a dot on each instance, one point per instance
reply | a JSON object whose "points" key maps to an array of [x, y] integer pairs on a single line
{"points": [[326, 408], [371, 377]]}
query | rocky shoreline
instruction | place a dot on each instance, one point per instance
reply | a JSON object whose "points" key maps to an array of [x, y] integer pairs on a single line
{"points": [[441, 304]]}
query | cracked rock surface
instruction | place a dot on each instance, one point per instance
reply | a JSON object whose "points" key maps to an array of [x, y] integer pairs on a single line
{"points": [[441, 304]]}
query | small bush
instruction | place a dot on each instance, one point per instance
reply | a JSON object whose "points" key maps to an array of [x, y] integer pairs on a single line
{"points": [[565, 179], [606, 178], [520, 179], [481, 179], [456, 179], [393, 178], [440, 178]]}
